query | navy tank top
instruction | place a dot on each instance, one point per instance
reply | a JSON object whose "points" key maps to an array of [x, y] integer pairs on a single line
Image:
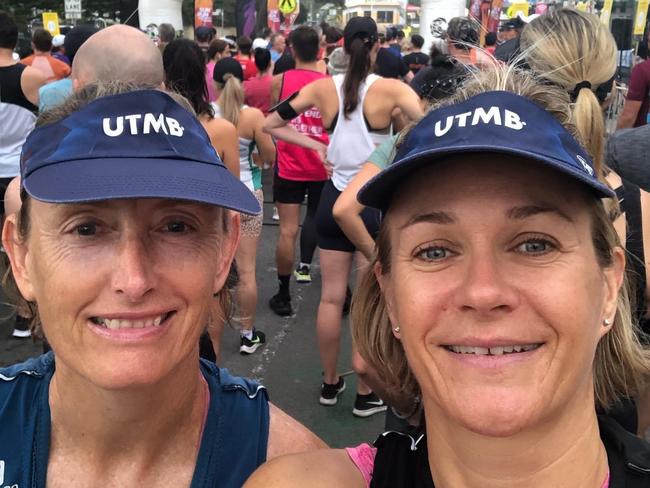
{"points": [[233, 445]]}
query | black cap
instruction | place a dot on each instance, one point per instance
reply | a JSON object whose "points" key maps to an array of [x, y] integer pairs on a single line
{"points": [[510, 24], [75, 38], [227, 66], [360, 28]]}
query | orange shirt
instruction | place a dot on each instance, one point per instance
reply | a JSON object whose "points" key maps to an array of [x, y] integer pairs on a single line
{"points": [[51, 67]]}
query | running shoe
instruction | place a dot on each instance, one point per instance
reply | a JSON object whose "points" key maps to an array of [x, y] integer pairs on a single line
{"points": [[281, 305], [367, 405], [302, 274], [249, 346], [329, 393], [276, 215], [21, 334]]}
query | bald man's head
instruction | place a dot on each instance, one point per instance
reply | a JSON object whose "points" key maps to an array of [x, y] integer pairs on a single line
{"points": [[118, 53]]}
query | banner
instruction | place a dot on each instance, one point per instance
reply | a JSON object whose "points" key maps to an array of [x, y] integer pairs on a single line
{"points": [[158, 11], [606, 12], [203, 13], [51, 23], [640, 18], [245, 17], [495, 15], [273, 15]]}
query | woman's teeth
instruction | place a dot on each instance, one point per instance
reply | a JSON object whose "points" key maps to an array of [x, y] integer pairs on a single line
{"points": [[492, 351], [130, 324]]}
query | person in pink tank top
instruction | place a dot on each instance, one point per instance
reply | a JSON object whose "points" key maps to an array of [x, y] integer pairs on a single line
{"points": [[299, 172]]}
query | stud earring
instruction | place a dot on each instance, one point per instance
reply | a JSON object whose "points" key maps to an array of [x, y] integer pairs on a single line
{"points": [[607, 322], [396, 329]]}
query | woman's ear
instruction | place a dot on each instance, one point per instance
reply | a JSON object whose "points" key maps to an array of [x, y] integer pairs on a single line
{"points": [[614, 276], [19, 256], [227, 249]]}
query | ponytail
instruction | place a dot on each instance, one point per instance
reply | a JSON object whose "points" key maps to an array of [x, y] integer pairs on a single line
{"points": [[231, 99], [358, 69], [589, 120], [575, 51]]}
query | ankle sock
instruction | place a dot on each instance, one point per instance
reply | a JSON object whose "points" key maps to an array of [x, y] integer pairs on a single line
{"points": [[283, 281], [304, 264], [248, 334]]}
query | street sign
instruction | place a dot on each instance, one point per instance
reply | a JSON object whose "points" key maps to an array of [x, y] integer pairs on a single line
{"points": [[51, 22], [640, 17], [288, 6], [73, 9]]}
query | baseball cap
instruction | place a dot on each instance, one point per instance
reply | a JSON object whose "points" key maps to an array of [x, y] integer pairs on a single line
{"points": [[492, 122], [57, 40], [260, 43], [140, 144], [227, 66], [359, 28], [463, 30], [516, 23]]}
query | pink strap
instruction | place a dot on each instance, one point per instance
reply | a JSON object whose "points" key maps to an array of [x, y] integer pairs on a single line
{"points": [[363, 457], [606, 483]]}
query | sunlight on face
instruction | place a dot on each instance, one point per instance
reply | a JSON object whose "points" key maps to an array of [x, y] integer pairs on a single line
{"points": [[495, 285]]}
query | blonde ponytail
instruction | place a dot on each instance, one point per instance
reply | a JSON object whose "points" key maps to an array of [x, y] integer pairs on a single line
{"points": [[231, 99], [570, 49]]}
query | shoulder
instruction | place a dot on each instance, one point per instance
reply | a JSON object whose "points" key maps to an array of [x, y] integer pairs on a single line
{"points": [[244, 387], [326, 468], [624, 450], [287, 435], [20, 382], [220, 128]]}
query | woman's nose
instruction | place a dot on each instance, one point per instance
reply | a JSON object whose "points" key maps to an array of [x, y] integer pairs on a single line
{"points": [[133, 272]]}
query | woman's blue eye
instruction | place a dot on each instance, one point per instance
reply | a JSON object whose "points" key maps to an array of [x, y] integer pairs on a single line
{"points": [[86, 229], [433, 253], [534, 247]]}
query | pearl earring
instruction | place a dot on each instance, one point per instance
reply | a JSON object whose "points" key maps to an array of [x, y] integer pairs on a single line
{"points": [[396, 329], [607, 322]]}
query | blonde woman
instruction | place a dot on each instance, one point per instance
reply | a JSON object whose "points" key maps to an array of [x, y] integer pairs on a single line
{"points": [[496, 301], [228, 77], [575, 51]]}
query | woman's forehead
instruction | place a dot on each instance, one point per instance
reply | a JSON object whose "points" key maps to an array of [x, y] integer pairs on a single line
{"points": [[488, 181]]}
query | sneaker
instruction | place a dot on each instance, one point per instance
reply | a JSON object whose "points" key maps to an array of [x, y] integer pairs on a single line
{"points": [[281, 305], [367, 405], [302, 274], [21, 334], [249, 346], [348, 302], [329, 393], [276, 215]]}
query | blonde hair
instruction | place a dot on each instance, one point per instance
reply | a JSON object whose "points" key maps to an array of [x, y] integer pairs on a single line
{"points": [[621, 364], [231, 98], [567, 47]]}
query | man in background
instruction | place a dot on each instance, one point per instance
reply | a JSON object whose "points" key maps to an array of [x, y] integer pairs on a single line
{"points": [[58, 49], [389, 62], [166, 34], [42, 59], [637, 102], [244, 46], [508, 38], [416, 59], [278, 44]]}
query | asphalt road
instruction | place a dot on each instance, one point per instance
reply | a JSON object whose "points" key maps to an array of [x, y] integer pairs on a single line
{"points": [[288, 364]]}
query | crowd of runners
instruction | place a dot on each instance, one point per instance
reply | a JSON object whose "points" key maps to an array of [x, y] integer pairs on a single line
{"points": [[498, 232]]}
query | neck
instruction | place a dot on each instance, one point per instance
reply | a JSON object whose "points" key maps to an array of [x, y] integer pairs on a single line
{"points": [[313, 65], [146, 419], [41, 53], [416, 50], [6, 57], [568, 452]]}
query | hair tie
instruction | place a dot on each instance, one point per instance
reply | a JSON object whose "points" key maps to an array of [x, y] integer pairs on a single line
{"points": [[580, 86]]}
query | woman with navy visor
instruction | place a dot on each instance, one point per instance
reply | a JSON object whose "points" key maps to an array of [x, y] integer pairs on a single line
{"points": [[496, 305], [128, 228]]}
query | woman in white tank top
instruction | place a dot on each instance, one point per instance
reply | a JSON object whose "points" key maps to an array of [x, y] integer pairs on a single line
{"points": [[360, 106]]}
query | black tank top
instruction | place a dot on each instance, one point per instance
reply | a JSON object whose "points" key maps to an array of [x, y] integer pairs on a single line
{"points": [[10, 89]]}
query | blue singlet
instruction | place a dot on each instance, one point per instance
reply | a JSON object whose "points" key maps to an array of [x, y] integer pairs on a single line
{"points": [[233, 445]]}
